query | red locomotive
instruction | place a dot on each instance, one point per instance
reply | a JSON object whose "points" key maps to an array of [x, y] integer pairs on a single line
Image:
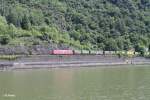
{"points": [[62, 52]]}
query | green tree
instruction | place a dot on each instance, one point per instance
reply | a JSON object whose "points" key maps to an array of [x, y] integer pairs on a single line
{"points": [[111, 45], [25, 24]]}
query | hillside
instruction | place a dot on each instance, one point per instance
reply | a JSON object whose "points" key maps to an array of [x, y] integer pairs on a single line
{"points": [[83, 24]]}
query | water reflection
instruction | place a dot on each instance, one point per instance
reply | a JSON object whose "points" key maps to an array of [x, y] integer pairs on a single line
{"points": [[63, 80], [128, 83]]}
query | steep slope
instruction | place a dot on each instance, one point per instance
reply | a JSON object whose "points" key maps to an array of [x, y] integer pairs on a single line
{"points": [[86, 24]]}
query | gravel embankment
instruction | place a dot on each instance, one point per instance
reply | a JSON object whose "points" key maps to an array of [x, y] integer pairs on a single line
{"points": [[39, 62]]}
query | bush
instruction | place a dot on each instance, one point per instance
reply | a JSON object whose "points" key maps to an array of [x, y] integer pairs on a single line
{"points": [[4, 39]]}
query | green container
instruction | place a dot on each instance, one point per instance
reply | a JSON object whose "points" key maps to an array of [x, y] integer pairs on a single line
{"points": [[85, 52], [93, 52], [77, 52]]}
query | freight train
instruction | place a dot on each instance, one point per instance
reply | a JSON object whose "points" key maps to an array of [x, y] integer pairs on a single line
{"points": [[91, 52], [80, 52]]}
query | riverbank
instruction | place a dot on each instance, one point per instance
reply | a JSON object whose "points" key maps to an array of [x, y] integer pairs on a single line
{"points": [[44, 62]]}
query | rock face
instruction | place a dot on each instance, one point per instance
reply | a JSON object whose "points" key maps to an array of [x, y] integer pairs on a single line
{"points": [[18, 50], [29, 50], [39, 50]]}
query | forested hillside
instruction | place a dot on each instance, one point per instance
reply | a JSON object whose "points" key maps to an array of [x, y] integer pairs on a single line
{"points": [[83, 24]]}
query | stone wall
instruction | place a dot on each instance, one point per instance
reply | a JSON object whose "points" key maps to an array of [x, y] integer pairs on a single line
{"points": [[30, 50]]}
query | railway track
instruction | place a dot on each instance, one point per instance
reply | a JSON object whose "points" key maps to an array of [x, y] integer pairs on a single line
{"points": [[67, 61]]}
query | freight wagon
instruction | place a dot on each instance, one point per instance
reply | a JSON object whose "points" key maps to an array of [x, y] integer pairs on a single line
{"points": [[85, 52]]}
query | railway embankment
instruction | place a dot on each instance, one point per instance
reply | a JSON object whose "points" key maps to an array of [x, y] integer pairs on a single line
{"points": [[43, 62]]}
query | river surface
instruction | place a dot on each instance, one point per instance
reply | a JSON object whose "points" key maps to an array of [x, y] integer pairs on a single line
{"points": [[95, 83]]}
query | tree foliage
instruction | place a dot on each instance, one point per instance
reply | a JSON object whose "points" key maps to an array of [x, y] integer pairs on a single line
{"points": [[100, 24]]}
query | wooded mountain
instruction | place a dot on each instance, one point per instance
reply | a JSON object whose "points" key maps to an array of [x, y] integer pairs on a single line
{"points": [[83, 24]]}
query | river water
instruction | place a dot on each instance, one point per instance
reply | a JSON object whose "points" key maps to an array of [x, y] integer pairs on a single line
{"points": [[95, 83]]}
